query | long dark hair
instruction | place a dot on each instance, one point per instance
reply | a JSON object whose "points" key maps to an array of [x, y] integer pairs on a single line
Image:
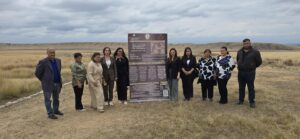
{"points": [[94, 55], [207, 50], [225, 48], [187, 48], [116, 52], [108, 49], [170, 57]]}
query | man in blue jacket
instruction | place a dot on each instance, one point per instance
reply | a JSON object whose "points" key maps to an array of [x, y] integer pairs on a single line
{"points": [[48, 72], [248, 59]]}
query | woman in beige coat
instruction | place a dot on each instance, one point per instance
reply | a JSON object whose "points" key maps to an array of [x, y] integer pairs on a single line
{"points": [[95, 79]]}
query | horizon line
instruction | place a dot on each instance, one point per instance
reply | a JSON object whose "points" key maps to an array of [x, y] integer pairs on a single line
{"points": [[192, 43]]}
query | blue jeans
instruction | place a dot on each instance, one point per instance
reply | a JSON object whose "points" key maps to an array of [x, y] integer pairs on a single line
{"points": [[246, 78], [173, 86], [55, 97]]}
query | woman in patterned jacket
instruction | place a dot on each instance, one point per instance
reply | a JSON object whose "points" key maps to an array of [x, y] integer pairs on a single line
{"points": [[225, 64], [207, 76]]}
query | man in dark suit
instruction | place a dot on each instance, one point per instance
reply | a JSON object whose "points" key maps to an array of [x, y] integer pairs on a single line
{"points": [[248, 59], [48, 72]]}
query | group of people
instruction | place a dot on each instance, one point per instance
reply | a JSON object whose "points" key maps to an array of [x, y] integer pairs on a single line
{"points": [[100, 74], [212, 71], [103, 71]]}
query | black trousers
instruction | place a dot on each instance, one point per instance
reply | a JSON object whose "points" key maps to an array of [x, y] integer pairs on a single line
{"points": [[78, 96], [207, 87], [187, 86], [108, 90], [246, 78], [222, 85], [122, 89]]}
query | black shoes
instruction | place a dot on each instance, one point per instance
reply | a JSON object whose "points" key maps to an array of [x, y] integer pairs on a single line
{"points": [[209, 99], [223, 102], [187, 99], [52, 117], [252, 105], [240, 103], [59, 113]]}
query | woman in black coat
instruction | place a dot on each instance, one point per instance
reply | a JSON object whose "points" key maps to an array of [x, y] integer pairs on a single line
{"points": [[173, 70], [187, 73], [122, 65]]}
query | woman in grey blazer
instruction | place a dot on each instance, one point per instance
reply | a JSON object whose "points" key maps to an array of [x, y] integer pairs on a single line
{"points": [[110, 75]]}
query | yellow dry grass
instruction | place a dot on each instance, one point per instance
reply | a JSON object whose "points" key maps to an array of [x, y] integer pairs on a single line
{"points": [[17, 71]]}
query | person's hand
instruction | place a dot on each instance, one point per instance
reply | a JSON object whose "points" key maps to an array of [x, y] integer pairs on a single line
{"points": [[188, 73], [96, 84], [79, 84], [104, 83], [215, 77], [185, 72], [178, 77]]}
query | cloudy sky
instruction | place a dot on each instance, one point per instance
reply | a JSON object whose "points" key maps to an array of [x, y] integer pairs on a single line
{"points": [[185, 21]]}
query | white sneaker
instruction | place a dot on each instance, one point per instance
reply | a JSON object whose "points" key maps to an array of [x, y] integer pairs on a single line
{"points": [[125, 102], [111, 103], [106, 103], [81, 110], [100, 110]]}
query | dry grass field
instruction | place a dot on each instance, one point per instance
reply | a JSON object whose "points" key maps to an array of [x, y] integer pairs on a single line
{"points": [[277, 114], [18, 65]]}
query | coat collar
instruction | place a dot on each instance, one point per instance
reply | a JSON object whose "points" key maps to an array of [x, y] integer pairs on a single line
{"points": [[49, 62], [104, 61], [249, 50]]}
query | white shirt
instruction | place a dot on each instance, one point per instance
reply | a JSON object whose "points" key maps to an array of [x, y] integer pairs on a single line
{"points": [[108, 62]]}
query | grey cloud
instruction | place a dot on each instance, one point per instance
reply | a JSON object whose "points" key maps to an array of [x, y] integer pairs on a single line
{"points": [[61, 27], [7, 5], [60, 19], [100, 7], [286, 1], [187, 10]]}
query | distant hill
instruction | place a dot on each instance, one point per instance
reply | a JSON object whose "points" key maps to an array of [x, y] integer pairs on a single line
{"points": [[232, 46]]}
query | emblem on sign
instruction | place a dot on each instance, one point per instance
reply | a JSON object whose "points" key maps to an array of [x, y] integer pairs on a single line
{"points": [[147, 36]]}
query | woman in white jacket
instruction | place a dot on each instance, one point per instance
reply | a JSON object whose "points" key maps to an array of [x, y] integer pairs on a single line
{"points": [[95, 79]]}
